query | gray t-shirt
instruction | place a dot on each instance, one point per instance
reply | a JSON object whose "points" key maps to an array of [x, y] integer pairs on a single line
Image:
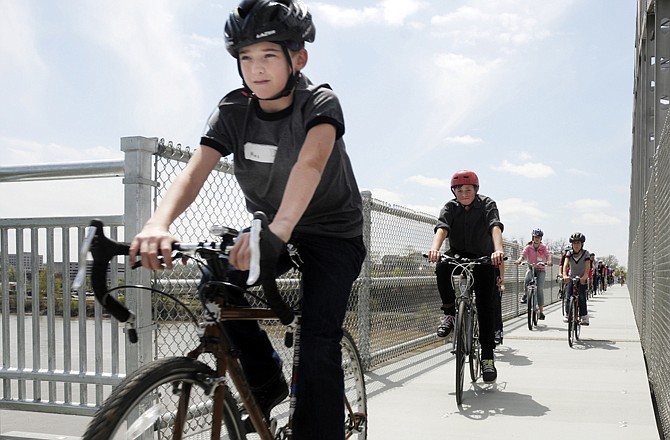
{"points": [[578, 265], [265, 146]]}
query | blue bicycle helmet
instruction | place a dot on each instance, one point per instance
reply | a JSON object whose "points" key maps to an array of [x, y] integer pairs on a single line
{"points": [[537, 232]]}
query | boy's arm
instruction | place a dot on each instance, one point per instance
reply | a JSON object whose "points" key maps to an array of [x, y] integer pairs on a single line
{"points": [[498, 247], [304, 178], [155, 239], [439, 237]]}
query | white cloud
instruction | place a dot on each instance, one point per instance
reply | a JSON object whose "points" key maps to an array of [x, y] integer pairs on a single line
{"points": [[390, 12], [386, 196], [518, 209], [589, 205], [18, 48], [155, 56], [505, 23], [432, 182], [528, 169], [596, 218], [28, 152], [463, 140]]}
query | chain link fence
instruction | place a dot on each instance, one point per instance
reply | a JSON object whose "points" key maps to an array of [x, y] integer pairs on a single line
{"points": [[394, 305]]}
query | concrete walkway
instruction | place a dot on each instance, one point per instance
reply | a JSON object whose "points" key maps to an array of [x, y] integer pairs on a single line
{"points": [[545, 389]]}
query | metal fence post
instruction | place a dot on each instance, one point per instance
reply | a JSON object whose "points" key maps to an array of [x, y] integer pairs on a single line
{"points": [[364, 324], [138, 206]]}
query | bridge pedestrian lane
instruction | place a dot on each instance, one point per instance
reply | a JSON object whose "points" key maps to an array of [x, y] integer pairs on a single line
{"points": [[545, 389]]}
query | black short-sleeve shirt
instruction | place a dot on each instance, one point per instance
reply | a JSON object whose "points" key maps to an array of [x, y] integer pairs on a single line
{"points": [[469, 231], [265, 146]]}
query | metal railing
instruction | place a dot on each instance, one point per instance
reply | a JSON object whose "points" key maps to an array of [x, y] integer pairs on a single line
{"points": [[649, 235], [394, 306]]}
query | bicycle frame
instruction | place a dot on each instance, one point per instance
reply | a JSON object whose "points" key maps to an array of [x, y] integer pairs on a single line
{"points": [[217, 308]]}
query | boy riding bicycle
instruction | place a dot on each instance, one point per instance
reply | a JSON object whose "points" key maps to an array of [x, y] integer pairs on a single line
{"points": [[285, 135], [472, 224]]}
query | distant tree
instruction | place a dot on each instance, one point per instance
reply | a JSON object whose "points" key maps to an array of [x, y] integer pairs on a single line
{"points": [[557, 246], [611, 261]]}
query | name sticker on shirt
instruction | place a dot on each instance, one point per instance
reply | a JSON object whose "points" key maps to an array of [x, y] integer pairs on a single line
{"points": [[260, 152]]}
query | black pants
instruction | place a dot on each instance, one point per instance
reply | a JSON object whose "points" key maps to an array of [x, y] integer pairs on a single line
{"points": [[330, 267], [485, 287]]}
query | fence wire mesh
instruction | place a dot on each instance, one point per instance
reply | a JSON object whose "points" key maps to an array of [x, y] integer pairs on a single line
{"points": [[394, 306]]}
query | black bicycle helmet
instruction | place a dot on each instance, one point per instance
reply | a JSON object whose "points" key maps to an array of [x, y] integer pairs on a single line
{"points": [[281, 21], [577, 236]]}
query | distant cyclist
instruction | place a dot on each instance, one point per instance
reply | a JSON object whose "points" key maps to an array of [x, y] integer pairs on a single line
{"points": [[536, 253], [577, 264]]}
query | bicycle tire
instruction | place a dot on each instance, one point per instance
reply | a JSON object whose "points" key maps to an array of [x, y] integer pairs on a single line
{"points": [[536, 310], [571, 321], [461, 352], [475, 355], [356, 400], [154, 391]]}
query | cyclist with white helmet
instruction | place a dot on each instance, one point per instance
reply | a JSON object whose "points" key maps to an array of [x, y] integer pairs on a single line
{"points": [[577, 264], [537, 254], [285, 137], [472, 224]]}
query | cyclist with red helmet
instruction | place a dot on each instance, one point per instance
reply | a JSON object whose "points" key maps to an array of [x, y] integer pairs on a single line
{"points": [[285, 137], [472, 224], [577, 264], [537, 254]]}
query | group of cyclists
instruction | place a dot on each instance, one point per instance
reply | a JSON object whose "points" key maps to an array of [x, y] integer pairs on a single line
{"points": [[471, 223]]}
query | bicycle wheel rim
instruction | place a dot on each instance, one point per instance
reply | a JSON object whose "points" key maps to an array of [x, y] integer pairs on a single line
{"points": [[535, 310], [571, 322], [144, 405], [461, 353], [475, 348], [529, 314], [356, 405]]}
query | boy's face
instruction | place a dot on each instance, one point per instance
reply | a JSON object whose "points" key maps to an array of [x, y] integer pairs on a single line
{"points": [[577, 246], [265, 69], [465, 194]]}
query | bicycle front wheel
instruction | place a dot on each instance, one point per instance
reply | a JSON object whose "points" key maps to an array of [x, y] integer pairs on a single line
{"points": [[531, 308], [572, 321], [536, 311], [475, 346], [460, 336], [145, 405], [355, 397]]}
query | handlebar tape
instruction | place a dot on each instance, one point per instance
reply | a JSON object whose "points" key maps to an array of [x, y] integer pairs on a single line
{"points": [[103, 250], [271, 247]]}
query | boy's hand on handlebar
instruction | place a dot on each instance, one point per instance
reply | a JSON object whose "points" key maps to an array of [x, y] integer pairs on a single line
{"points": [[433, 255], [497, 257], [240, 254], [149, 244]]}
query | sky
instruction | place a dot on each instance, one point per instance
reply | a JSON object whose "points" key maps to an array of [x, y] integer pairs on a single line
{"points": [[534, 96]]}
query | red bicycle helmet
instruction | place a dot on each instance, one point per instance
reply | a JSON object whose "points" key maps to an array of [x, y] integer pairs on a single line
{"points": [[464, 177]]}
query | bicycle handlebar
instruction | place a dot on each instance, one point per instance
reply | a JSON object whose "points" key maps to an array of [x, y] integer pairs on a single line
{"points": [[264, 247], [457, 259]]}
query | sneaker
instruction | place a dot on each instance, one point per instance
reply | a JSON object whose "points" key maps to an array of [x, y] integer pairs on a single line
{"points": [[523, 299], [498, 339], [565, 318], [541, 315], [267, 398], [446, 326], [584, 320], [489, 372]]}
